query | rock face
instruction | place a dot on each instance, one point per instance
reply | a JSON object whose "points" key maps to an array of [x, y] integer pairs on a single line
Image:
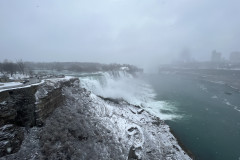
{"points": [[86, 126], [11, 138], [18, 106], [23, 108], [49, 96], [16, 111]]}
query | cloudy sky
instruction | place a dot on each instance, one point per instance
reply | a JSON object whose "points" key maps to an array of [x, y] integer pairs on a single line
{"points": [[142, 32]]}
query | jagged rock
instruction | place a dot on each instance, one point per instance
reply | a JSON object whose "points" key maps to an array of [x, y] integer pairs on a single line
{"points": [[11, 138], [140, 111], [7, 115], [132, 155]]}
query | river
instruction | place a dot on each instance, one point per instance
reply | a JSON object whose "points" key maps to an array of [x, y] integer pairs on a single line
{"points": [[208, 122]]}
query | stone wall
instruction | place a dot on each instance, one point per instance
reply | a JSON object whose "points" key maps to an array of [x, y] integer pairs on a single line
{"points": [[23, 108], [48, 97]]}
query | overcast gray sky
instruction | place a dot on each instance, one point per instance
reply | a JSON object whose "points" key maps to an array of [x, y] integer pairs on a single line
{"points": [[142, 32]]}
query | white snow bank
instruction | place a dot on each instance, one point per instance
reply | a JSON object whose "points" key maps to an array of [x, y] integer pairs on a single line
{"points": [[21, 86], [9, 84], [18, 85], [18, 76]]}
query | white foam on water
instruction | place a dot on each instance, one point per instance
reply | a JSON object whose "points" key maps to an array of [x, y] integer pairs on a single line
{"points": [[214, 97], [120, 84], [202, 87], [237, 108]]}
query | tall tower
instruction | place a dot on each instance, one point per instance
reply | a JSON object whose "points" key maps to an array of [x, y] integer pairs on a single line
{"points": [[216, 56]]}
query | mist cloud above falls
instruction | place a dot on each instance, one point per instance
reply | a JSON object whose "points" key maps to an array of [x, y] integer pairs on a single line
{"points": [[124, 31]]}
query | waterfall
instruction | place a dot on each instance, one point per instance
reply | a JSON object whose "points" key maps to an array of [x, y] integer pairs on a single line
{"points": [[134, 90]]}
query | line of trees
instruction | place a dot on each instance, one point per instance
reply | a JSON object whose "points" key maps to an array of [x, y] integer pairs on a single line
{"points": [[9, 67], [79, 66], [21, 67]]}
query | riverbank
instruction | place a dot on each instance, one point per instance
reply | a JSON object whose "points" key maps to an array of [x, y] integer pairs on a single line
{"points": [[181, 144]]}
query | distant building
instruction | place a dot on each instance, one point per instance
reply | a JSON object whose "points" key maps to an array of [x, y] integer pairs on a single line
{"points": [[216, 56], [185, 56], [234, 57]]}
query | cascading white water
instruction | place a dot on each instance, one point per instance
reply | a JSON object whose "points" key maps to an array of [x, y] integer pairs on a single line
{"points": [[121, 84]]}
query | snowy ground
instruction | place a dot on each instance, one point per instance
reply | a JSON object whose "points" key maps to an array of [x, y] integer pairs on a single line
{"points": [[10, 84], [17, 85], [18, 76]]}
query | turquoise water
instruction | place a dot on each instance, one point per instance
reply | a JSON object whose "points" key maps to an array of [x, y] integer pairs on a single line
{"points": [[210, 123]]}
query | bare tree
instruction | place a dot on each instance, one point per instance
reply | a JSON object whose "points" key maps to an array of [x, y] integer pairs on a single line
{"points": [[21, 66], [58, 66], [1, 68], [30, 72], [9, 67]]}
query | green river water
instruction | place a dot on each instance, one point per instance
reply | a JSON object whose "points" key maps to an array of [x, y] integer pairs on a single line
{"points": [[210, 123]]}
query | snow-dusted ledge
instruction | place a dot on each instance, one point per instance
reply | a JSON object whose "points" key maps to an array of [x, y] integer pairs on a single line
{"points": [[18, 85]]}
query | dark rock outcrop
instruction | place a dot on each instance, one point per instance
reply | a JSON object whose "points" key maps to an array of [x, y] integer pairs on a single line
{"points": [[23, 108], [17, 110], [17, 106], [11, 138]]}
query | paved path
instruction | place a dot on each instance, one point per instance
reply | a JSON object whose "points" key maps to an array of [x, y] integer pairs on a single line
{"points": [[31, 81]]}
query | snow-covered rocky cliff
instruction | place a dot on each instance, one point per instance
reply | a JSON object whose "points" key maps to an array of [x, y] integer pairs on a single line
{"points": [[88, 126]]}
